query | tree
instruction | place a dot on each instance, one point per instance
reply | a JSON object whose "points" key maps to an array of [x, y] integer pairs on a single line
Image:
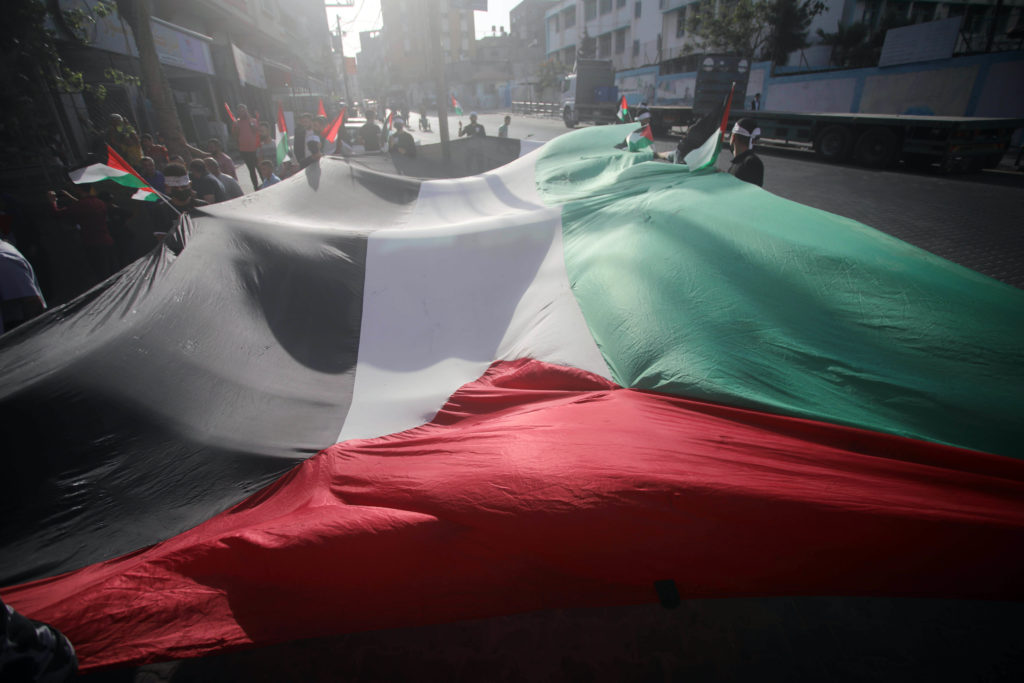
{"points": [[588, 46], [31, 71], [550, 74], [770, 29], [137, 13], [849, 43], [789, 22], [857, 45]]}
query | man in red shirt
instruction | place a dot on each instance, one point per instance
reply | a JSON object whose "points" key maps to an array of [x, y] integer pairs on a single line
{"points": [[89, 213], [247, 131]]}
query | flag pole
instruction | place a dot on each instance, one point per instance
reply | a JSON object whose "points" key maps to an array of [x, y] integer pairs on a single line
{"points": [[165, 199]]}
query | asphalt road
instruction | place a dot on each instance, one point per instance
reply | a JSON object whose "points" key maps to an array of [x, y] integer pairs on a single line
{"points": [[972, 219]]}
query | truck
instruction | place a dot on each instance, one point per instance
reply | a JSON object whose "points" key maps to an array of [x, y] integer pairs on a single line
{"points": [[589, 94], [956, 143]]}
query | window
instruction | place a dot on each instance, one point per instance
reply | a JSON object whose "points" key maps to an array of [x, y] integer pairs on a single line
{"points": [[681, 22], [619, 4], [569, 17], [604, 46], [589, 10], [620, 41], [554, 24], [606, 6], [637, 7], [636, 48]]}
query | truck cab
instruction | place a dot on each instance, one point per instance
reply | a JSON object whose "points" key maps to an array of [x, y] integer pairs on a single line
{"points": [[589, 93]]}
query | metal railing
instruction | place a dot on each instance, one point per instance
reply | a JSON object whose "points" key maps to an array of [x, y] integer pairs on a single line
{"points": [[537, 108]]}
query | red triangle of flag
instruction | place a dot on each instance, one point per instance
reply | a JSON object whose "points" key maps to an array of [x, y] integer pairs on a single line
{"points": [[332, 132], [281, 124], [114, 160], [728, 105]]}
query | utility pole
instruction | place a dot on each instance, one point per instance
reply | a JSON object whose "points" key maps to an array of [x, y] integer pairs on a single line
{"points": [[341, 53], [441, 78], [341, 44]]}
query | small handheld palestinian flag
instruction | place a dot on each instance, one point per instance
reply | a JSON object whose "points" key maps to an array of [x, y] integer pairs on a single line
{"points": [[119, 171], [640, 139], [703, 141], [623, 110], [281, 144], [456, 106]]}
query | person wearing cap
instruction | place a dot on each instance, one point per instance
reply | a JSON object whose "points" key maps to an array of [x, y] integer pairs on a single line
{"points": [[746, 165], [401, 141], [474, 129]]}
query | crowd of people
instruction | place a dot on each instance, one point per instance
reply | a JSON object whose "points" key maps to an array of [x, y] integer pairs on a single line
{"points": [[73, 236]]}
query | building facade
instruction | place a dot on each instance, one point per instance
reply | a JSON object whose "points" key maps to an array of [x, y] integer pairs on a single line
{"points": [[638, 33], [257, 52]]}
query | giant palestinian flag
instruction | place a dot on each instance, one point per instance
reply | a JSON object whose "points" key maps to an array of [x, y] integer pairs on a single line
{"points": [[357, 401]]}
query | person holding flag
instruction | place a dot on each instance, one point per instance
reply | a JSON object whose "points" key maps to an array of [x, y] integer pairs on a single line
{"points": [[703, 141], [642, 138], [746, 165], [474, 129]]}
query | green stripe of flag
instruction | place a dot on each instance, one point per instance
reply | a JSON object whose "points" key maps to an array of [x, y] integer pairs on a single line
{"points": [[700, 285]]}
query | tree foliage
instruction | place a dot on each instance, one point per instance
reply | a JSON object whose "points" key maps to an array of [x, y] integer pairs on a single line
{"points": [[32, 71], [29, 35], [550, 74], [857, 44], [588, 46], [768, 29]]}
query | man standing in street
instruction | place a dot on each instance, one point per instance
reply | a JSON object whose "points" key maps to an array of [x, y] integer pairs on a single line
{"points": [[474, 129], [368, 134], [247, 132], [401, 141], [746, 165], [503, 130]]}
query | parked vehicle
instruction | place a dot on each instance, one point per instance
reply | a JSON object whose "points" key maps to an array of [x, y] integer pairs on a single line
{"points": [[961, 143], [589, 94], [875, 140]]}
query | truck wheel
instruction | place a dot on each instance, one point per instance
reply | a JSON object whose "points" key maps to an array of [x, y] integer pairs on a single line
{"points": [[570, 122], [877, 147], [833, 143]]}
